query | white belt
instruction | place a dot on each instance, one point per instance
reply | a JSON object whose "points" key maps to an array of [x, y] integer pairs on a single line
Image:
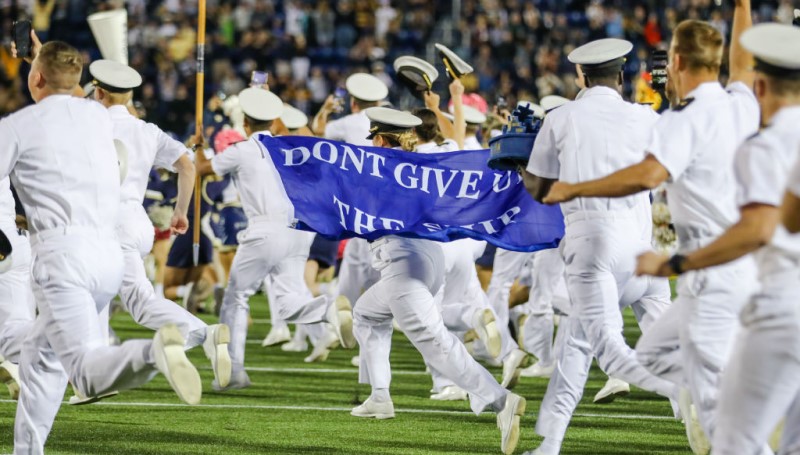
{"points": [[588, 215], [376, 243]]}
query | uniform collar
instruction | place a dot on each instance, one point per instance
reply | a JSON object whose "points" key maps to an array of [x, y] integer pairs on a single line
{"points": [[428, 146], [706, 89], [53, 98], [119, 110], [265, 133], [601, 91], [786, 116]]}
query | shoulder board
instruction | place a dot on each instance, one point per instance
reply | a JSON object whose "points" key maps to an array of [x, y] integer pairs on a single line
{"points": [[753, 136], [682, 105]]}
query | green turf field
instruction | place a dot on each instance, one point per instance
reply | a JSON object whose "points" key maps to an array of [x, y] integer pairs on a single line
{"points": [[297, 408]]}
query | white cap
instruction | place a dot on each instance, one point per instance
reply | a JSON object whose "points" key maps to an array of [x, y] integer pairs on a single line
{"points": [[387, 120], [366, 87], [597, 52], [293, 117], [260, 104], [114, 76], [776, 48], [456, 66], [417, 74], [551, 102], [471, 115], [538, 111]]}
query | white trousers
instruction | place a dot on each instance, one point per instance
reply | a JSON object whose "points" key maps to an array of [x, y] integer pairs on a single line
{"points": [[648, 297], [270, 249], [135, 232], [761, 383], [691, 343], [356, 273], [75, 274], [547, 274], [411, 273], [17, 308], [508, 266]]}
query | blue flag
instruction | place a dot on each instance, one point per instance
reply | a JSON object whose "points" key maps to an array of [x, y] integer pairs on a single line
{"points": [[341, 191]]}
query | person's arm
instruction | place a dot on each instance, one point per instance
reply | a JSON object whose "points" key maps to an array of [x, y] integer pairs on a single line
{"points": [[741, 61], [459, 122], [432, 103], [646, 175], [202, 164], [321, 119], [186, 175], [537, 187], [790, 212], [279, 128]]}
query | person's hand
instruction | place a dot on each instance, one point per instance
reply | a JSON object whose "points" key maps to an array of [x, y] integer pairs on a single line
{"points": [[560, 192], [329, 105], [196, 142], [179, 223], [653, 264], [456, 89], [431, 100], [36, 46]]}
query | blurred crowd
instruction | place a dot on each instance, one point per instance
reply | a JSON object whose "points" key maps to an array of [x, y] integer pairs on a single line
{"points": [[518, 47]]}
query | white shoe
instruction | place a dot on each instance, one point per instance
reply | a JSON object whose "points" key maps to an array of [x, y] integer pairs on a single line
{"points": [[698, 441], [396, 326], [775, 437], [238, 380], [534, 452], [523, 318], [171, 361], [295, 346], [486, 327], [512, 367], [218, 336], [371, 408], [77, 398], [450, 393], [340, 316], [321, 350], [356, 361], [611, 390], [277, 335], [538, 371], [9, 375], [508, 422]]}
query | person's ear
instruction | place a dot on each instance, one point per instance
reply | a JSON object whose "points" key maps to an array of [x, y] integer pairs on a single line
{"points": [[760, 87]]}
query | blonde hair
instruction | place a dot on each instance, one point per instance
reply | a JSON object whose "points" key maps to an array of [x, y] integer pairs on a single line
{"points": [[61, 65], [699, 44], [406, 140]]}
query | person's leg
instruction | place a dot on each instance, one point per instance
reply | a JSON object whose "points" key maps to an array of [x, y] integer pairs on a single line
{"points": [[17, 308]]}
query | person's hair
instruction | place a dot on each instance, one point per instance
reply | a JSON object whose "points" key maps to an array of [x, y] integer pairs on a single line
{"points": [[429, 129], [117, 97], [257, 125], [699, 44], [361, 104], [405, 140], [61, 65], [783, 87], [611, 79], [472, 129]]}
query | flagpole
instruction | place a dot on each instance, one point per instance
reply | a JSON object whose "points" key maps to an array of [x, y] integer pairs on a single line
{"points": [[201, 43]]}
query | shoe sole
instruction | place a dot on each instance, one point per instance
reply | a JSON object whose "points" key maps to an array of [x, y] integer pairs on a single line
{"points": [[267, 342], [10, 382], [510, 443], [222, 370], [344, 323], [77, 401], [538, 374], [611, 397], [171, 360], [373, 416], [489, 334]]}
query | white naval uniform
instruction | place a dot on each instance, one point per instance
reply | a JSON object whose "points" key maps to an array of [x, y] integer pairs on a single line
{"points": [[547, 274], [147, 146], [760, 384], [61, 158], [353, 129], [267, 247], [691, 343], [583, 140], [17, 308]]}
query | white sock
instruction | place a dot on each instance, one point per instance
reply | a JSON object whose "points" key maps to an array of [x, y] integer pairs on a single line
{"points": [[550, 446], [380, 395], [181, 292]]}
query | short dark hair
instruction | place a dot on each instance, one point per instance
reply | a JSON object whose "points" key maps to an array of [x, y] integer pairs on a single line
{"points": [[361, 104], [257, 125], [429, 129], [783, 87]]}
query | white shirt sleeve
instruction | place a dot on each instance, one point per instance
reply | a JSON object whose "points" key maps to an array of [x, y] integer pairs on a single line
{"points": [[9, 148], [745, 106], [227, 162], [336, 130], [758, 168], [169, 150], [544, 156], [794, 179], [671, 143]]}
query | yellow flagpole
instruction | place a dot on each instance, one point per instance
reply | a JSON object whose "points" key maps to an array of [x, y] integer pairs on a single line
{"points": [[201, 44]]}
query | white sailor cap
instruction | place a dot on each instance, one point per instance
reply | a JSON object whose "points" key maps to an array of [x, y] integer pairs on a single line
{"points": [[293, 117], [415, 73], [551, 102], [260, 104], [455, 65], [776, 49], [114, 76], [601, 54], [387, 120], [366, 87], [538, 111], [471, 115]]}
